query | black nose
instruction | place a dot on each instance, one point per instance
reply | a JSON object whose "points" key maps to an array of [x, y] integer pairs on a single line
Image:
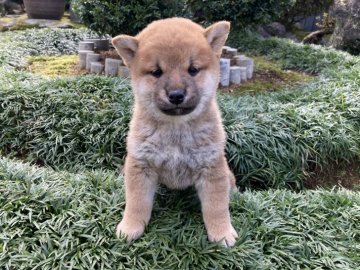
{"points": [[176, 96]]}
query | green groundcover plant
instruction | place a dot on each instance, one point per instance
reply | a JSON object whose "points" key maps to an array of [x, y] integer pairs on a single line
{"points": [[274, 139], [64, 217], [62, 220]]}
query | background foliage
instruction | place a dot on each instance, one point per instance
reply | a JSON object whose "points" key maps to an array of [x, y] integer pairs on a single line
{"points": [[241, 13], [114, 17], [120, 16]]}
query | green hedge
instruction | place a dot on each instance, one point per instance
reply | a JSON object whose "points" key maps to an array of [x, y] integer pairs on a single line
{"points": [[241, 13], [274, 140], [60, 220], [129, 17], [119, 16]]}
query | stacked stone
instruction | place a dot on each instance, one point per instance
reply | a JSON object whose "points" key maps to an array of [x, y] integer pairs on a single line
{"points": [[235, 68], [90, 60]]}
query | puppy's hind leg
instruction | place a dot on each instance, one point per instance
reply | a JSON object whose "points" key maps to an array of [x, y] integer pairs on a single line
{"points": [[140, 188], [214, 193]]}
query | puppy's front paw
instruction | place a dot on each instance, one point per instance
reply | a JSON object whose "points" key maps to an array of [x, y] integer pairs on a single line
{"points": [[132, 230], [227, 237]]}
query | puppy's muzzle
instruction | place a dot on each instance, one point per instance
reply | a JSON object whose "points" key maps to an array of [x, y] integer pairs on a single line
{"points": [[177, 96], [177, 101]]}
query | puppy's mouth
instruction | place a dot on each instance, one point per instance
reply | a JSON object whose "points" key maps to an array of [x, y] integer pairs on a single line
{"points": [[178, 111]]}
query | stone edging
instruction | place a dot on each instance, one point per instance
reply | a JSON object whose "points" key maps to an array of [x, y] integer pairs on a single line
{"points": [[234, 68]]}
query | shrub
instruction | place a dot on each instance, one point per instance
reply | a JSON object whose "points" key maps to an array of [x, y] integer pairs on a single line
{"points": [[241, 13], [120, 16], [114, 17]]}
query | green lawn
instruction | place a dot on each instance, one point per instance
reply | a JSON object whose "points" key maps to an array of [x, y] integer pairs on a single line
{"points": [[63, 214]]}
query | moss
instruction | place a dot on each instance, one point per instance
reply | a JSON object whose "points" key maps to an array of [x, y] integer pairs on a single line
{"points": [[21, 23], [65, 65], [269, 76]]}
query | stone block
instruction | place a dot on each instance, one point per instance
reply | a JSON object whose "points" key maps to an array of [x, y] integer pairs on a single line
{"points": [[96, 68], [86, 46], [235, 75], [91, 57], [243, 74], [124, 72], [248, 63], [100, 44], [224, 72], [112, 66], [232, 52], [82, 58], [224, 49]]}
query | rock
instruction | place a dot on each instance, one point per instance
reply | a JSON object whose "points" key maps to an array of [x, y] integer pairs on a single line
{"points": [[275, 29], [262, 32], [346, 34]]}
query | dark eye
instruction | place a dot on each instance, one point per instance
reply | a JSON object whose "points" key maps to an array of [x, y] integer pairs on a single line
{"points": [[193, 71], [157, 73]]}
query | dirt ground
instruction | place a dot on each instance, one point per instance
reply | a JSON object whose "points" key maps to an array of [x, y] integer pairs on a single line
{"points": [[346, 174]]}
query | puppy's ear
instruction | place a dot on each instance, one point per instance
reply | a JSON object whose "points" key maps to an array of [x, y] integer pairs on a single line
{"points": [[216, 34], [126, 46]]}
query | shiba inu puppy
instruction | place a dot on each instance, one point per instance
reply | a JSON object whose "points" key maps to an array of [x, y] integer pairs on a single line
{"points": [[176, 136]]}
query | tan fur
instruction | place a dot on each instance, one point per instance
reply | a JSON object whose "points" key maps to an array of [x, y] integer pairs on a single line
{"points": [[181, 150]]}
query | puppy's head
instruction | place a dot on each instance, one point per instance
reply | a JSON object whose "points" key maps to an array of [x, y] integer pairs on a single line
{"points": [[174, 65]]}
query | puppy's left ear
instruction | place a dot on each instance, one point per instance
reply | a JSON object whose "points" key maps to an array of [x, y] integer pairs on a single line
{"points": [[216, 34], [126, 46]]}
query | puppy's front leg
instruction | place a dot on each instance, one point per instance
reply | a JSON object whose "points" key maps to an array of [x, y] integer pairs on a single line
{"points": [[214, 192], [140, 188]]}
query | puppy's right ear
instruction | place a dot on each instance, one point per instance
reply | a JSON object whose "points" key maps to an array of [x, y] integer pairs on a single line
{"points": [[216, 34], [126, 46]]}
